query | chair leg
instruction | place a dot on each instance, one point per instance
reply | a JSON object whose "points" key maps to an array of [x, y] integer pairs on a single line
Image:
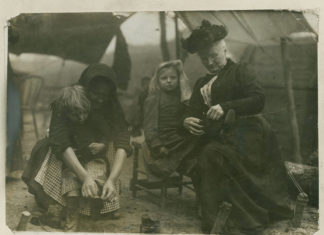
{"points": [[180, 188], [46, 116], [163, 195], [135, 167], [35, 124], [134, 190]]}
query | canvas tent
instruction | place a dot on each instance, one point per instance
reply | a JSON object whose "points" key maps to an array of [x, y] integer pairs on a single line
{"points": [[254, 37], [251, 27], [71, 36], [60, 34]]}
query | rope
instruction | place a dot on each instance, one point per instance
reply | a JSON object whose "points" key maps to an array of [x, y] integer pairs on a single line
{"points": [[299, 188]]}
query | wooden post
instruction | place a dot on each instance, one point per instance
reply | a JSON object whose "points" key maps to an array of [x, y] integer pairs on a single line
{"points": [[164, 43], [177, 37], [301, 203], [149, 226], [24, 219], [221, 218], [291, 102]]}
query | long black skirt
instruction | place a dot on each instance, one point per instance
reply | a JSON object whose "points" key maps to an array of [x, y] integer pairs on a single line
{"points": [[243, 166]]}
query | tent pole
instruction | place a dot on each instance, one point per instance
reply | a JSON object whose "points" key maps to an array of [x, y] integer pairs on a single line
{"points": [[177, 38], [291, 102], [164, 43]]}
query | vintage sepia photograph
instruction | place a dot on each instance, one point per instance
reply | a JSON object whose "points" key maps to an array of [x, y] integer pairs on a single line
{"points": [[171, 122]]}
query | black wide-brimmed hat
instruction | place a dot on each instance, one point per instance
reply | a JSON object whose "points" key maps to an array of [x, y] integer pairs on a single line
{"points": [[204, 36]]}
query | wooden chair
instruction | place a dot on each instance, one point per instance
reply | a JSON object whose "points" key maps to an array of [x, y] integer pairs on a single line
{"points": [[151, 183], [30, 88]]}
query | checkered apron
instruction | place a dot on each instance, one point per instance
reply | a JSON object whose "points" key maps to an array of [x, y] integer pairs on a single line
{"points": [[56, 181]]}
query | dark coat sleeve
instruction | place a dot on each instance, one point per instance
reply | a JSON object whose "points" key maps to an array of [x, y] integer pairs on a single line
{"points": [[150, 124], [59, 134], [122, 135], [251, 95], [196, 106], [182, 115]]}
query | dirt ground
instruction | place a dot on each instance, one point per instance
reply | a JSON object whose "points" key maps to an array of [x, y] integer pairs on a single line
{"points": [[179, 215]]}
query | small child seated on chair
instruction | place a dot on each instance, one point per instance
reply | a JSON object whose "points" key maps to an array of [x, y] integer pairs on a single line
{"points": [[171, 147]]}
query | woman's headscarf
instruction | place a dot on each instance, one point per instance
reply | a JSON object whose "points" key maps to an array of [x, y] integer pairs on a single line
{"points": [[97, 70], [185, 89]]}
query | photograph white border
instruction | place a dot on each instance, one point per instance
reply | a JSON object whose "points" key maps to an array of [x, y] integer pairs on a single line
{"points": [[12, 8]]}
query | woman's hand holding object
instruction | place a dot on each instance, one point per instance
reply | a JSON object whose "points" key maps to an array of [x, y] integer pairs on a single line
{"points": [[89, 188], [164, 151], [96, 147], [215, 112], [193, 125], [109, 191]]}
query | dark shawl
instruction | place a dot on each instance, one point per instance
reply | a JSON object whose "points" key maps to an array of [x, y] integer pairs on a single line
{"points": [[108, 120], [235, 88]]}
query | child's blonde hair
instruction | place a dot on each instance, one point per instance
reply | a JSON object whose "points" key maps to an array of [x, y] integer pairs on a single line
{"points": [[72, 97], [166, 66], [184, 86]]}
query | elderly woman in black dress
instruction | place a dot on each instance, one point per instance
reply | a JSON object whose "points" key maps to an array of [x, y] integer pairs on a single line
{"points": [[239, 164]]}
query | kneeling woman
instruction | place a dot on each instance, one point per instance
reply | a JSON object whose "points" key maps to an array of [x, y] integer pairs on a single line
{"points": [[84, 120]]}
